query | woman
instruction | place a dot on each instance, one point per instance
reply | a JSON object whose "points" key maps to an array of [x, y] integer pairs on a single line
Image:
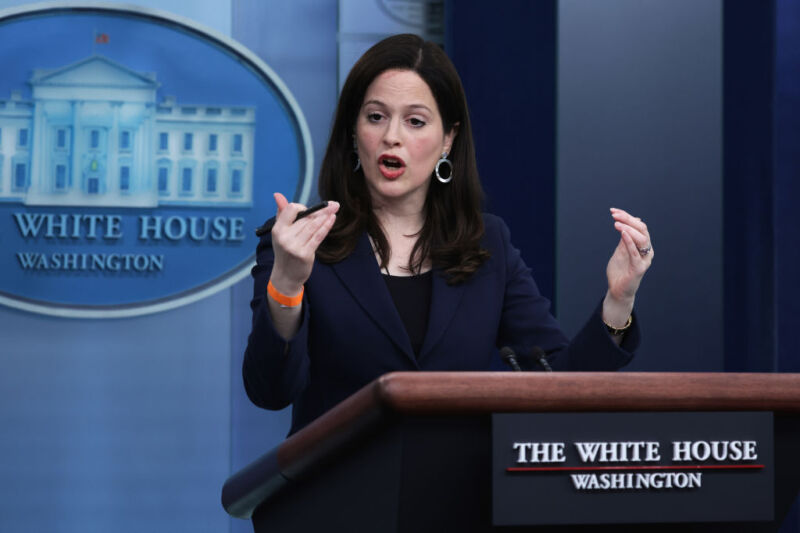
{"points": [[402, 271]]}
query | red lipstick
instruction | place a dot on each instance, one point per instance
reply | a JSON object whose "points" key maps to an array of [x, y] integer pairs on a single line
{"points": [[391, 166]]}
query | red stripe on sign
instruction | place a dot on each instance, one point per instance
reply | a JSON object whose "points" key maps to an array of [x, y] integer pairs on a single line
{"points": [[647, 467]]}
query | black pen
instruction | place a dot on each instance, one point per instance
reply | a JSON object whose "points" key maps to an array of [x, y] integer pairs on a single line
{"points": [[267, 227]]}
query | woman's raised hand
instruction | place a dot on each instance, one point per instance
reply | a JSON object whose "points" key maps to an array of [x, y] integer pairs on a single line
{"points": [[626, 268], [295, 243]]}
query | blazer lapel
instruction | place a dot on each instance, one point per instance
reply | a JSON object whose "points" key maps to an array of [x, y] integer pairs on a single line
{"points": [[444, 302], [360, 273]]}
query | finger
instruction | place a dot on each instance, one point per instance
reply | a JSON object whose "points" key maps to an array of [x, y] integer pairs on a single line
{"points": [[624, 216], [620, 215], [630, 246], [319, 235], [283, 206], [308, 227], [641, 240], [287, 212], [330, 209], [281, 201], [305, 225], [634, 251], [313, 235], [635, 224]]}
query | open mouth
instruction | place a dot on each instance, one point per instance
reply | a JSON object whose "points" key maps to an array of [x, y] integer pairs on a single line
{"points": [[392, 167], [391, 162]]}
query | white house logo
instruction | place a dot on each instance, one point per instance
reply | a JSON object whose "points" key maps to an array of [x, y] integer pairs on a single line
{"points": [[137, 154]]}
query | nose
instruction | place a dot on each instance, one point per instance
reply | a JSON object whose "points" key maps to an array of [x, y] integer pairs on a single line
{"points": [[391, 137]]}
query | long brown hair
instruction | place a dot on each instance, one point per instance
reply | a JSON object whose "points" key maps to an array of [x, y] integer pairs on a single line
{"points": [[453, 227]]}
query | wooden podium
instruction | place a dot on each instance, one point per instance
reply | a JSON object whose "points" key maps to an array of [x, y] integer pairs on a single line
{"points": [[411, 451]]}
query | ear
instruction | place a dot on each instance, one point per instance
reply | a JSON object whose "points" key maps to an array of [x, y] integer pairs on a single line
{"points": [[450, 136]]}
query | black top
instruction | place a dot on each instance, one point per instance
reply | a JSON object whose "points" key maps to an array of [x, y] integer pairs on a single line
{"points": [[412, 297]]}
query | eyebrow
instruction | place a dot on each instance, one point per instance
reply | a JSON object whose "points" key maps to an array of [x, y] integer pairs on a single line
{"points": [[412, 106]]}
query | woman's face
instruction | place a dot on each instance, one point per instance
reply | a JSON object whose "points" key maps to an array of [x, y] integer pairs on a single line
{"points": [[399, 137]]}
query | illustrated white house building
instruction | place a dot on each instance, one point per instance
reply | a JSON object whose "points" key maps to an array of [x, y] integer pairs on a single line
{"points": [[94, 134]]}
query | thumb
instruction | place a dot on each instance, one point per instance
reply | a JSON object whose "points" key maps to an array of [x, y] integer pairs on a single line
{"points": [[281, 201]]}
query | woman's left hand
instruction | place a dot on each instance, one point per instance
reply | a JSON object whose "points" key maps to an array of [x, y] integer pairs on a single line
{"points": [[631, 259]]}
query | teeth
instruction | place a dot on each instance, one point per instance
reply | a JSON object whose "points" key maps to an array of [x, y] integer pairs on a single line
{"points": [[394, 163]]}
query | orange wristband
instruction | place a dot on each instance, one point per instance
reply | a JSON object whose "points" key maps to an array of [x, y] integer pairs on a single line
{"points": [[285, 301]]}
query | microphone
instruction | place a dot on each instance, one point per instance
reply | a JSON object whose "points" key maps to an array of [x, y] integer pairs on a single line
{"points": [[541, 357], [510, 358]]}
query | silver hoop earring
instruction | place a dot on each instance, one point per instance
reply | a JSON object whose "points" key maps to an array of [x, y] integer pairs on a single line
{"points": [[449, 171]]}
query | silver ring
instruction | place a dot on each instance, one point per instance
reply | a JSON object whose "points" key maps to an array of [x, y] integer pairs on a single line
{"points": [[644, 251]]}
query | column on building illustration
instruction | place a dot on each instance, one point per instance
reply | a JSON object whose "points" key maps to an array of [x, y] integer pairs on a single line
{"points": [[16, 116], [92, 146]]}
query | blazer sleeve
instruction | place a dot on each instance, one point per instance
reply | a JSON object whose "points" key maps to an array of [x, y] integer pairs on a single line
{"points": [[275, 371], [527, 322]]}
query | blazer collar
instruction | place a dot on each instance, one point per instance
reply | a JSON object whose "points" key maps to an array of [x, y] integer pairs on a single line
{"points": [[360, 273], [444, 303]]}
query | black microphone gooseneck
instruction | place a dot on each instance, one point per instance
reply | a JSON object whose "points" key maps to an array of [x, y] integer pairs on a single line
{"points": [[541, 357], [510, 358]]}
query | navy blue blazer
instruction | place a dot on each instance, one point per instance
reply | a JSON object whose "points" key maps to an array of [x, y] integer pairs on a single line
{"points": [[351, 332]]}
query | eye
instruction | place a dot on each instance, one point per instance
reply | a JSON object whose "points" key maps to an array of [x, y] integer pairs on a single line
{"points": [[374, 117], [415, 122]]}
